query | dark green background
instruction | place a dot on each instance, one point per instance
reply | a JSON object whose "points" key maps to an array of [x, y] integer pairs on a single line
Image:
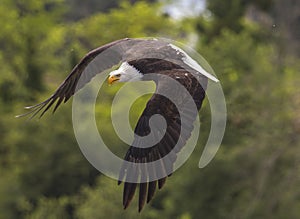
{"points": [[253, 46]]}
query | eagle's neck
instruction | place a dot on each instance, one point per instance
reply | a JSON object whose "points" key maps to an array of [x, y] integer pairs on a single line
{"points": [[130, 73]]}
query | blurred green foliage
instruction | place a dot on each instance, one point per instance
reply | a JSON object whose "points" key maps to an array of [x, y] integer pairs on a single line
{"points": [[43, 172]]}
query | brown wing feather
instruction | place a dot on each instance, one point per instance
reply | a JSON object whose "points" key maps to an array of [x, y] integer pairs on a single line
{"points": [[160, 105], [70, 85]]}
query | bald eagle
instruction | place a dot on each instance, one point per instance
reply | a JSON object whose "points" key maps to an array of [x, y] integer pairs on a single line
{"points": [[144, 60]]}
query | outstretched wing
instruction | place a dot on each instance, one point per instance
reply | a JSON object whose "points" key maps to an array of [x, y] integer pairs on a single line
{"points": [[70, 85], [176, 132]]}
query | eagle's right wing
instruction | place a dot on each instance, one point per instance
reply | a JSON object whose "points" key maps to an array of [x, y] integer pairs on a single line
{"points": [[70, 85]]}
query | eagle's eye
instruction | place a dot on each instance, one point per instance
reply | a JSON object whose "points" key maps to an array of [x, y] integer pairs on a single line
{"points": [[118, 75]]}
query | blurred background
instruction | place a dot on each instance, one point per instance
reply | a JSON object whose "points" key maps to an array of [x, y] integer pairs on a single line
{"points": [[254, 48]]}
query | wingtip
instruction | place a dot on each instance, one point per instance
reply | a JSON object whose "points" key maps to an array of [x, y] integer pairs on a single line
{"points": [[20, 116], [217, 80], [141, 206], [140, 209], [213, 78], [28, 107], [24, 115], [126, 204], [161, 182]]}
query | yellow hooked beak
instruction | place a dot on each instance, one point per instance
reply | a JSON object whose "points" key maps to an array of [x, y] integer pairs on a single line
{"points": [[113, 78]]}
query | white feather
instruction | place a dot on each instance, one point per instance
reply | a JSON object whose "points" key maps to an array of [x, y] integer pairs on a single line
{"points": [[192, 63], [127, 72]]}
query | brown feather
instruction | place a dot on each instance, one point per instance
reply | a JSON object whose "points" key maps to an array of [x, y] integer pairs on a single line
{"points": [[137, 52]]}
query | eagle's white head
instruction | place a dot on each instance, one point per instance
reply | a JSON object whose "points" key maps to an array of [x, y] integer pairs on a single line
{"points": [[124, 73]]}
